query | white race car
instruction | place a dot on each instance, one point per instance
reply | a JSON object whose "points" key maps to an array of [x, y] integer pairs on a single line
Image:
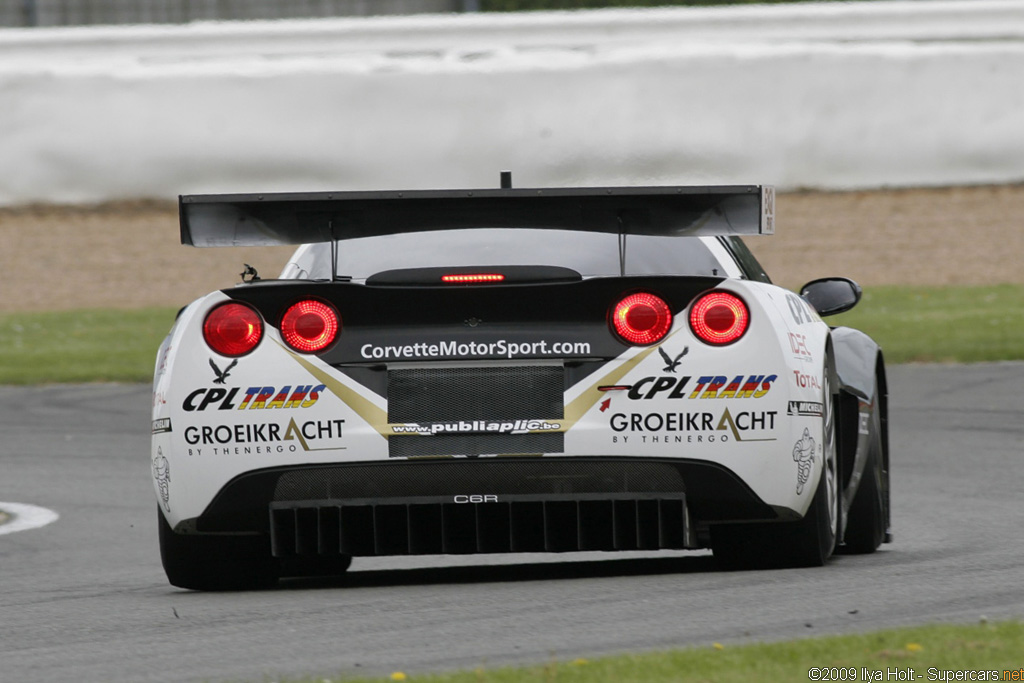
{"points": [[510, 370]]}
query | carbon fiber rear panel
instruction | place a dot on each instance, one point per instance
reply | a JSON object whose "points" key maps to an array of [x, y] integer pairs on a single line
{"points": [[494, 393], [326, 528], [712, 493], [472, 397], [518, 476]]}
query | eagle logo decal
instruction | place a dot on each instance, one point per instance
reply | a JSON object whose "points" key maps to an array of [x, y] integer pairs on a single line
{"points": [[221, 376], [670, 364]]}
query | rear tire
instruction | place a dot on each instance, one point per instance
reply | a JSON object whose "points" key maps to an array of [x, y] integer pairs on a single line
{"points": [[868, 520], [215, 562], [808, 542]]}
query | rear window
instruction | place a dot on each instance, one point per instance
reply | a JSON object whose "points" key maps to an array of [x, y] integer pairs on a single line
{"points": [[590, 254]]}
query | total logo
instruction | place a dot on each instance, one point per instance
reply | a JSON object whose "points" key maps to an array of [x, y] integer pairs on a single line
{"points": [[706, 387], [805, 381], [254, 398]]}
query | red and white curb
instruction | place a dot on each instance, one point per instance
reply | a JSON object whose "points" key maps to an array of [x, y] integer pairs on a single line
{"points": [[21, 517]]}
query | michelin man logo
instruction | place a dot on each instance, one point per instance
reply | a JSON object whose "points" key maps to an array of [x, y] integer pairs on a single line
{"points": [[803, 454], [162, 475]]}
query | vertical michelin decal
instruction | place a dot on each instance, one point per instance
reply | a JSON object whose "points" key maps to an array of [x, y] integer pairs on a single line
{"points": [[162, 477], [803, 455]]}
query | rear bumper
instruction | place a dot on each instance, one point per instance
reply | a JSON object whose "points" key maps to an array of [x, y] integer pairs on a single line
{"points": [[514, 504]]}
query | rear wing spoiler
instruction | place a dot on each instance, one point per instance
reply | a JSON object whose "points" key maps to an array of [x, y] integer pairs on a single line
{"points": [[300, 218]]}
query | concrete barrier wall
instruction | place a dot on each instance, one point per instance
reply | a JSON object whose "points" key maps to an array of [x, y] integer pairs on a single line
{"points": [[854, 95], [83, 12]]}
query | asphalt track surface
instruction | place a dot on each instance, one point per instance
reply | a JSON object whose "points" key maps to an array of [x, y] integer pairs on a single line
{"points": [[84, 599]]}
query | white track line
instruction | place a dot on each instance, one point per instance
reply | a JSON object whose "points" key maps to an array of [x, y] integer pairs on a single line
{"points": [[25, 517]]}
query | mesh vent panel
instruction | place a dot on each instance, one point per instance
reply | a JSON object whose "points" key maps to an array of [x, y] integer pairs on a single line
{"points": [[515, 392]]}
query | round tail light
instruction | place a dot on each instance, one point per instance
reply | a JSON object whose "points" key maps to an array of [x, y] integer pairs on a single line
{"points": [[642, 319], [233, 329], [310, 326], [719, 318]]}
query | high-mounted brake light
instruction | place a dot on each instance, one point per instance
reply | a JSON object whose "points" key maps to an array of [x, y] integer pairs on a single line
{"points": [[719, 318], [310, 326], [233, 329], [641, 319], [472, 278]]}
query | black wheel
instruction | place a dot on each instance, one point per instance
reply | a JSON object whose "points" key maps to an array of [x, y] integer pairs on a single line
{"points": [[215, 562], [808, 542], [868, 521]]}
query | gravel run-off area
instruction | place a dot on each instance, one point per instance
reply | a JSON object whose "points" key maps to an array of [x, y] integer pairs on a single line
{"points": [[128, 255]]}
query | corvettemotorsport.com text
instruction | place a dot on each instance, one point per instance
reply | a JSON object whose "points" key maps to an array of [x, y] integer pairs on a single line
{"points": [[454, 349]]}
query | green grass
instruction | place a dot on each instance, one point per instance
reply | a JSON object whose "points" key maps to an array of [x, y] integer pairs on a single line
{"points": [[931, 651], [913, 324], [942, 324], [81, 346]]}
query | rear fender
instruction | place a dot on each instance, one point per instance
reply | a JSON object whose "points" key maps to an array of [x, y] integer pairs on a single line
{"points": [[862, 393]]}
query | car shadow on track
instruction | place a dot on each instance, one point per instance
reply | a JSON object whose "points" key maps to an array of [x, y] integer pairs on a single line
{"points": [[502, 573]]}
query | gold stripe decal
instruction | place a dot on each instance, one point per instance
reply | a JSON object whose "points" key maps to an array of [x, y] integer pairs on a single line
{"points": [[376, 417], [590, 396]]}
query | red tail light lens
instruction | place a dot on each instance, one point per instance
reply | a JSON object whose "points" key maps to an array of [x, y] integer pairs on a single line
{"points": [[310, 326], [233, 329], [719, 318], [642, 319]]}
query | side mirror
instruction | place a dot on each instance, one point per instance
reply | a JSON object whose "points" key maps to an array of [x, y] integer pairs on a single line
{"points": [[831, 295]]}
